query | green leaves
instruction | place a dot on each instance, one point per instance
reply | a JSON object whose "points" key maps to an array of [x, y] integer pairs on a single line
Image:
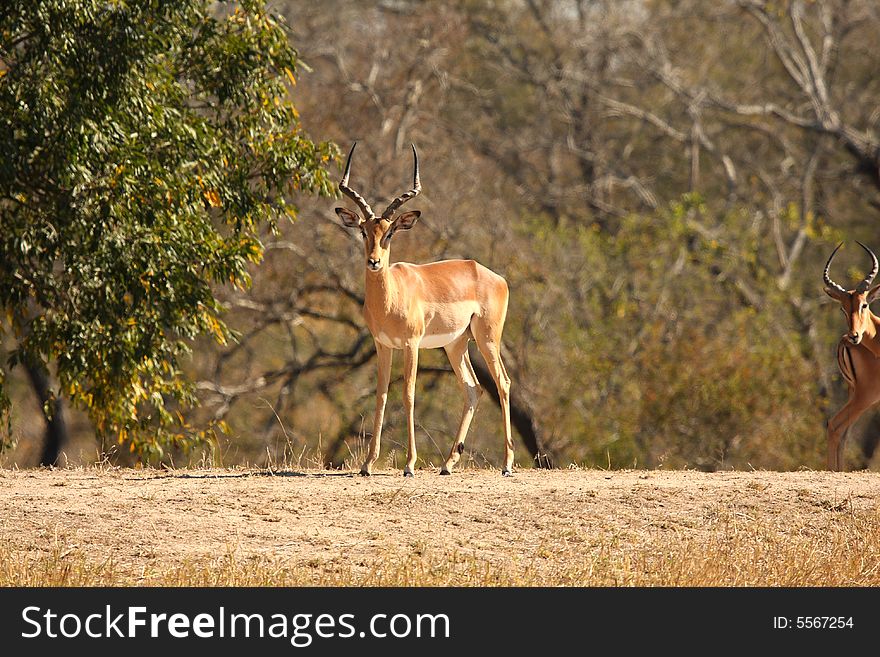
{"points": [[145, 144]]}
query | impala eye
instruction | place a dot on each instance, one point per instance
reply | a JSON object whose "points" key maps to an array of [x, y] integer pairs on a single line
{"points": [[864, 306]]}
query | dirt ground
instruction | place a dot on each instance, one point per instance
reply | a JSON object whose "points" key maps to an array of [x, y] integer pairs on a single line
{"points": [[151, 520]]}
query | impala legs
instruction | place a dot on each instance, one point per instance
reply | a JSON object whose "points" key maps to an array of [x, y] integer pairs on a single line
{"points": [[839, 425], [410, 368], [464, 372], [489, 343], [384, 360]]}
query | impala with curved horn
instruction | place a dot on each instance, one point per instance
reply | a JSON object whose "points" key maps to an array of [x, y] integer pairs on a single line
{"points": [[858, 354], [411, 307]]}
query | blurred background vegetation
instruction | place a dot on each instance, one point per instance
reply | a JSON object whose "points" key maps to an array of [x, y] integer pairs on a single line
{"points": [[660, 181]]}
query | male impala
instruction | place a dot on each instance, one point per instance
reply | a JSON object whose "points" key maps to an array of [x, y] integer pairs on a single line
{"points": [[858, 354], [412, 307]]}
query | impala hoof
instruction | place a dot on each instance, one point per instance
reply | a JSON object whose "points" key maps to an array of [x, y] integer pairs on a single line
{"points": [[506, 473], [364, 473], [444, 471], [408, 473]]}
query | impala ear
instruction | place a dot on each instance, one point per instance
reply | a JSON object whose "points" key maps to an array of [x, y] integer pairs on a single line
{"points": [[873, 293], [836, 294], [349, 218], [407, 220]]}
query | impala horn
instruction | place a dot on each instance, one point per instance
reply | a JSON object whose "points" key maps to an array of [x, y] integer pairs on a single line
{"points": [[348, 191], [826, 277], [403, 198], [866, 283]]}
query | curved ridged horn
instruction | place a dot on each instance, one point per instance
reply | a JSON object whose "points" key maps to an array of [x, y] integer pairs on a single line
{"points": [[826, 277], [403, 198], [866, 283], [348, 191]]}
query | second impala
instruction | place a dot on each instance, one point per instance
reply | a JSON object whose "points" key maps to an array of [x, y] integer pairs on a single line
{"points": [[858, 353], [441, 304]]}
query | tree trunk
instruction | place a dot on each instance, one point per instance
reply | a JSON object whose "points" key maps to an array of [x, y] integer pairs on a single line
{"points": [[56, 426]]}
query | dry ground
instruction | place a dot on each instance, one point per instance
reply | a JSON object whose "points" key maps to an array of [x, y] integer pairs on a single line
{"points": [[579, 527]]}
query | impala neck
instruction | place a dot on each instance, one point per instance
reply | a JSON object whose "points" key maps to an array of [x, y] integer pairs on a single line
{"points": [[379, 289], [871, 337]]}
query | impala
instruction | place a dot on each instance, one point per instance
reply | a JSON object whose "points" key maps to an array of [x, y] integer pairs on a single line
{"points": [[411, 307], [858, 354]]}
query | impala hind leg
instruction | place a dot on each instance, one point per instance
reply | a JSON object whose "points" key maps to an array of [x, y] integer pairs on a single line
{"points": [[464, 371], [488, 339], [839, 425], [384, 365], [410, 368]]}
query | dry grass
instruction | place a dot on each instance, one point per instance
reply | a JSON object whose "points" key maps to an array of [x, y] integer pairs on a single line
{"points": [[563, 528], [848, 554]]}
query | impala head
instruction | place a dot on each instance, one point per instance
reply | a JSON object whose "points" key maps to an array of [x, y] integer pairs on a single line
{"points": [[854, 303], [378, 231]]}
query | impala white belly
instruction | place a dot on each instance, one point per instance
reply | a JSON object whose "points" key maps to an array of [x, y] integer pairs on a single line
{"points": [[440, 339], [428, 342]]}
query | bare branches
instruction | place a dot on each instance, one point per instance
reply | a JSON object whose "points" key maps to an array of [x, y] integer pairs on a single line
{"points": [[808, 70], [357, 355], [791, 61], [618, 108]]}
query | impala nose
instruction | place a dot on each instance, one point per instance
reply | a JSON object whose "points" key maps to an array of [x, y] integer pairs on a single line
{"points": [[373, 264], [854, 338]]}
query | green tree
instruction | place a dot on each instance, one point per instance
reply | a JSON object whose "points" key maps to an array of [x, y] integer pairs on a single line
{"points": [[145, 144]]}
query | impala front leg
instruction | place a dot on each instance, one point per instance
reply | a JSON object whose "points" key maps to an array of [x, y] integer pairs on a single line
{"points": [[384, 359], [410, 367]]}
